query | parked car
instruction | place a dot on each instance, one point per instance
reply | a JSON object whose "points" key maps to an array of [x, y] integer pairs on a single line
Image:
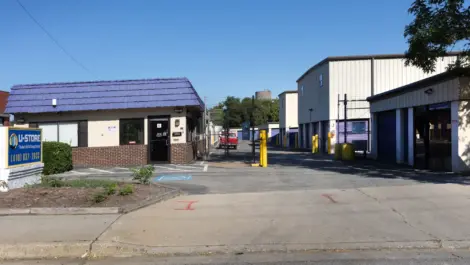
{"points": [[230, 142]]}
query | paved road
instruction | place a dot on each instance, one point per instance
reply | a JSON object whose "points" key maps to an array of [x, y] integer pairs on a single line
{"points": [[292, 171], [422, 257]]}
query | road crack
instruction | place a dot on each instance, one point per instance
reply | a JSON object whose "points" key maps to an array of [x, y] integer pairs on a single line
{"points": [[403, 218]]}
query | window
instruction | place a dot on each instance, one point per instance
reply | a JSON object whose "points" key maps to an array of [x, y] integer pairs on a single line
{"points": [[320, 80], [358, 127], [131, 131], [73, 133]]}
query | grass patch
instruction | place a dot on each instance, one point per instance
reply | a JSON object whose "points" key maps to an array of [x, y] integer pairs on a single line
{"points": [[126, 190], [51, 182]]}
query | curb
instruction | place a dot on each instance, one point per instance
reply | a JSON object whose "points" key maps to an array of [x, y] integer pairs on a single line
{"points": [[172, 193], [98, 249], [44, 250], [122, 250], [60, 211]]}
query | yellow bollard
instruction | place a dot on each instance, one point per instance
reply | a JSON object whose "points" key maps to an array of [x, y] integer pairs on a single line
{"points": [[261, 149], [313, 144], [328, 144], [264, 148]]}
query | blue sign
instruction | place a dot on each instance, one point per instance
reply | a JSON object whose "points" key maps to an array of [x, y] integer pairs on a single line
{"points": [[24, 146], [173, 177]]}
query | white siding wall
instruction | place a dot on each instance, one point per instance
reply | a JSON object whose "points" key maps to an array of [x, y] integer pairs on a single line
{"points": [[392, 73], [313, 96], [100, 122], [354, 79], [291, 110]]}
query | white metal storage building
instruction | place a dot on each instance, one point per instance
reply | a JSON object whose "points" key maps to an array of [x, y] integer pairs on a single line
{"points": [[425, 124], [359, 77]]}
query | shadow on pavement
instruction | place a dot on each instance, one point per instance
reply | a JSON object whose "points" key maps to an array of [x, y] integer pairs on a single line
{"points": [[278, 157]]}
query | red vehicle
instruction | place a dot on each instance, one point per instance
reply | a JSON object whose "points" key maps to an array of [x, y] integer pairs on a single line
{"points": [[232, 140]]}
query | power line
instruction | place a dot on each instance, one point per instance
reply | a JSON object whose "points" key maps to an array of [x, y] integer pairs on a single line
{"points": [[53, 39]]}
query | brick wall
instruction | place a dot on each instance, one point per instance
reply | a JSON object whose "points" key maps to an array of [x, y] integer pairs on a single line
{"points": [[185, 152], [178, 153], [124, 155]]}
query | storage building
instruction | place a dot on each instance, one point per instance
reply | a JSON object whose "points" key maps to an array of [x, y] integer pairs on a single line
{"points": [[288, 122], [115, 123], [319, 111], [425, 124]]}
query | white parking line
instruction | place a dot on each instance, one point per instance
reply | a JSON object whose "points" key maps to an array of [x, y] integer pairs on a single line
{"points": [[184, 166], [170, 168], [202, 163], [101, 170], [205, 168], [76, 172], [123, 168]]}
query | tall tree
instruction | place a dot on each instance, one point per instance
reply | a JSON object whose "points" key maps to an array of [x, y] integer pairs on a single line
{"points": [[438, 26]]}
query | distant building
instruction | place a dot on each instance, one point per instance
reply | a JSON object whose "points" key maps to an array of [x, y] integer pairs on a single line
{"points": [[4, 117], [288, 121], [266, 94]]}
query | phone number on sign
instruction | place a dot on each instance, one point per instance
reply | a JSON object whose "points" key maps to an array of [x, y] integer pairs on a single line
{"points": [[25, 157]]}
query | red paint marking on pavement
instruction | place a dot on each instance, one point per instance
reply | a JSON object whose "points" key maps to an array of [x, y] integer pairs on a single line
{"points": [[188, 205], [329, 197]]}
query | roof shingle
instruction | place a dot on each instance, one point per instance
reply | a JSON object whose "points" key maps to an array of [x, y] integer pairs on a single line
{"points": [[103, 95]]}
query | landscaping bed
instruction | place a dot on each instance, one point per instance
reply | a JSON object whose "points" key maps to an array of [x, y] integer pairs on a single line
{"points": [[57, 193]]}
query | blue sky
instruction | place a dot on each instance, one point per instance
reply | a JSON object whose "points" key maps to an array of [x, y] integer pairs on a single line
{"points": [[225, 47]]}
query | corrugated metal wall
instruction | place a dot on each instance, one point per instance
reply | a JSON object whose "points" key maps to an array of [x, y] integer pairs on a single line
{"points": [[314, 96], [442, 92], [353, 78], [392, 73]]}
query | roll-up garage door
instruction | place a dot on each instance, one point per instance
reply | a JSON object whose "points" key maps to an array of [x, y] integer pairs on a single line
{"points": [[386, 136]]}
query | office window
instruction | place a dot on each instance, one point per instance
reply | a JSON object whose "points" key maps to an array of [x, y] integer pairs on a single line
{"points": [[49, 132], [73, 133], [131, 131]]}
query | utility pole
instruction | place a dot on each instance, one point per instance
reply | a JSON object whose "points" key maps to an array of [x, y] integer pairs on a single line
{"points": [[252, 128]]}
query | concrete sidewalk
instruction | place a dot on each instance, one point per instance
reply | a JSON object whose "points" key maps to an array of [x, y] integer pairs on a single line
{"points": [[430, 216], [50, 236], [419, 216]]}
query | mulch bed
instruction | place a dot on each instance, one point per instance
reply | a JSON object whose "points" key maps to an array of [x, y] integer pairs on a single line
{"points": [[75, 197]]}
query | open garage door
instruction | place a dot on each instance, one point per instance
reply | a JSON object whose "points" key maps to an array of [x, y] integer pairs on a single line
{"points": [[386, 136]]}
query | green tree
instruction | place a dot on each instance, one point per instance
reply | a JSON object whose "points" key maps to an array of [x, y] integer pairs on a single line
{"points": [[239, 110], [438, 26]]}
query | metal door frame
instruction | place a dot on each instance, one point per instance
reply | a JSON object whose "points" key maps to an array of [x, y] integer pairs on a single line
{"points": [[159, 118]]}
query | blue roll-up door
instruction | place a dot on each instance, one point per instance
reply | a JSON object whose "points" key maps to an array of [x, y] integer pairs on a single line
{"points": [[386, 136], [240, 135]]}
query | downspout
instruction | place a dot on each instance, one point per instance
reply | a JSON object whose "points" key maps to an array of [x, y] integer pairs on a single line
{"points": [[372, 88]]}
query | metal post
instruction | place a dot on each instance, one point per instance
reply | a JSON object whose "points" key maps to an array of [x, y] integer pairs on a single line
{"points": [[337, 121], [252, 129], [204, 125], [345, 117]]}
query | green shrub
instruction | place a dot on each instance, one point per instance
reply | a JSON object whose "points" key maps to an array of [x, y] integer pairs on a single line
{"points": [[126, 190], [100, 197], [111, 189], [57, 157], [143, 174]]}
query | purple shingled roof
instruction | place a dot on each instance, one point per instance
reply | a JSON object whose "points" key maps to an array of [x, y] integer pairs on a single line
{"points": [[103, 95]]}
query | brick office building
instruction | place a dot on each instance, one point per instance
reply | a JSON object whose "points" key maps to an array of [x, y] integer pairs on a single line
{"points": [[115, 123]]}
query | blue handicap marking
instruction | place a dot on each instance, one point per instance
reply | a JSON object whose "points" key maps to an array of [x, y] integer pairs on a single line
{"points": [[172, 177]]}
